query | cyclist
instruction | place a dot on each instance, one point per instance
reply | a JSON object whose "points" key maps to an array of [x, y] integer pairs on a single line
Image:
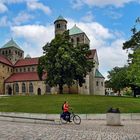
{"points": [[65, 108]]}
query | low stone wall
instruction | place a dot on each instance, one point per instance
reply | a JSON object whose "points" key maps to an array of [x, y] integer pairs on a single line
{"points": [[123, 116]]}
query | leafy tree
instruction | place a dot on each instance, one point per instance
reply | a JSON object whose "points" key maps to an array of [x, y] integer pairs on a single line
{"points": [[134, 54], [118, 78], [64, 63]]}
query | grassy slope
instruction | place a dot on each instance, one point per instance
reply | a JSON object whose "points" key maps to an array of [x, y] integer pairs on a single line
{"points": [[80, 103]]}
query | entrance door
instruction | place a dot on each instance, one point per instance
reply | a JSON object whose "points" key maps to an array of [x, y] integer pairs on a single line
{"points": [[39, 91], [9, 90]]}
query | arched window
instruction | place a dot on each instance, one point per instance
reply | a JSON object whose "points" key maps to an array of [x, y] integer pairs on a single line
{"points": [[58, 25], [23, 88], [72, 40], [17, 88], [31, 88], [97, 83]]}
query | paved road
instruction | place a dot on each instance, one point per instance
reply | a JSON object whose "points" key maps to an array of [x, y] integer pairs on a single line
{"points": [[88, 130]]}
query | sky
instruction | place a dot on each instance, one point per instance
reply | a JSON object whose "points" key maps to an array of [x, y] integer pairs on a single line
{"points": [[107, 23]]}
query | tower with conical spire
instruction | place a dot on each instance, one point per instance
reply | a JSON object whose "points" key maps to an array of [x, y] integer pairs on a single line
{"points": [[60, 25]]}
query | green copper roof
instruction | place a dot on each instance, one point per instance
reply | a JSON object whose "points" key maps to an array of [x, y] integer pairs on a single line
{"points": [[98, 74], [11, 43], [60, 18], [75, 30]]}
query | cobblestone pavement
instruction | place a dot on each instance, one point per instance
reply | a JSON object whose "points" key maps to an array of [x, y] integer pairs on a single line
{"points": [[88, 130]]}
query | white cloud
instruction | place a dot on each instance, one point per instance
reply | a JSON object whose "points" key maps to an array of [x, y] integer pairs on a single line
{"points": [[33, 5], [3, 8], [36, 36], [88, 17], [22, 17], [100, 3], [4, 22], [112, 55]]}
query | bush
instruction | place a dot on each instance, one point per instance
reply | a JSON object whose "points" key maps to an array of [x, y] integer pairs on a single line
{"points": [[127, 91]]}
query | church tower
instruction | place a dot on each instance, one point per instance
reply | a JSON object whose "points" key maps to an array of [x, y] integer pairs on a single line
{"points": [[12, 51], [60, 25]]}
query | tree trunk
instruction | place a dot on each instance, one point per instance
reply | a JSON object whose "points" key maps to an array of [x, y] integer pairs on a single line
{"points": [[69, 89], [61, 89]]}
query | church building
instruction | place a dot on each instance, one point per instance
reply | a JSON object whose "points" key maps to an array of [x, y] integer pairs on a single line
{"points": [[18, 74]]}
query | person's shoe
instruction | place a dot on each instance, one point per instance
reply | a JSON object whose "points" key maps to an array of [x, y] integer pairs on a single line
{"points": [[70, 121]]}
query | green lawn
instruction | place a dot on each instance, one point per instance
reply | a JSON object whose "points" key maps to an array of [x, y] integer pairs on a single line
{"points": [[80, 103]]}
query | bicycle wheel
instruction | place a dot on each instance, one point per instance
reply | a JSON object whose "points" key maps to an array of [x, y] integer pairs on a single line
{"points": [[76, 119]]}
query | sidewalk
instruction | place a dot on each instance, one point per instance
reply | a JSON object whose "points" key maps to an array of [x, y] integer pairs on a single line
{"points": [[34, 117]]}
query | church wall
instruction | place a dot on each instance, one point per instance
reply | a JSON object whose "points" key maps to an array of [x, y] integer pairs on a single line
{"points": [[85, 88], [36, 85], [5, 72], [79, 39], [32, 68], [99, 86]]}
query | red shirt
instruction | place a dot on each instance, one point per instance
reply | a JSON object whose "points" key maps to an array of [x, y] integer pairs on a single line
{"points": [[65, 107]]}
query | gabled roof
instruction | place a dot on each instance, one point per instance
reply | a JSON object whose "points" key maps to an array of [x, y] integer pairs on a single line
{"points": [[26, 62], [4, 60], [98, 74], [75, 30], [11, 43], [25, 76]]}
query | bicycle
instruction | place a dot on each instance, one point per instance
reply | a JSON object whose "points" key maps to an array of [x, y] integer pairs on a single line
{"points": [[73, 117]]}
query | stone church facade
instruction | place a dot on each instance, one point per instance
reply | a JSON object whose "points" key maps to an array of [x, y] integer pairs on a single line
{"points": [[18, 75]]}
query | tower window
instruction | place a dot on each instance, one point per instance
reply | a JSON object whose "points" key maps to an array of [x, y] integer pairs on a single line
{"points": [[58, 25], [72, 40], [78, 40], [97, 83]]}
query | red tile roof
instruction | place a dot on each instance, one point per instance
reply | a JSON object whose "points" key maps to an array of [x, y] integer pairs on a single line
{"points": [[91, 56], [26, 62], [26, 76], [4, 60]]}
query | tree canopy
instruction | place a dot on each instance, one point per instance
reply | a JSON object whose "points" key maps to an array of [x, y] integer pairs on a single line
{"points": [[118, 78], [64, 63], [134, 55]]}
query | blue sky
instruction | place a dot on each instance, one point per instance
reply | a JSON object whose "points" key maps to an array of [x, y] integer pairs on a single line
{"points": [[107, 23]]}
